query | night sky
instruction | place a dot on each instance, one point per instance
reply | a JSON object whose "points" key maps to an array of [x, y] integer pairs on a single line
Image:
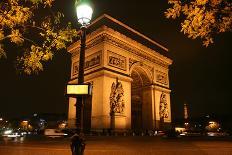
{"points": [[199, 76]]}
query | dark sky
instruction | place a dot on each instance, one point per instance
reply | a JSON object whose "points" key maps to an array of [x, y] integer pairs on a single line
{"points": [[199, 76]]}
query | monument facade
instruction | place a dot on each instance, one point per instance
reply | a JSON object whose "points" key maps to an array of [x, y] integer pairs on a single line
{"points": [[129, 77]]}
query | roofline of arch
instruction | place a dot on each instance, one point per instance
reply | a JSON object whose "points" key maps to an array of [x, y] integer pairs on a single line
{"points": [[128, 28], [106, 34]]}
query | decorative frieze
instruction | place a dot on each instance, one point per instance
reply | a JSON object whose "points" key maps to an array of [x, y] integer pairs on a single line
{"points": [[132, 62], [135, 51], [161, 77], [75, 68], [99, 39], [105, 37], [116, 60], [91, 61]]}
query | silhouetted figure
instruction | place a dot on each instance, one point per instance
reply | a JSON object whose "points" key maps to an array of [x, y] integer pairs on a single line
{"points": [[77, 144]]}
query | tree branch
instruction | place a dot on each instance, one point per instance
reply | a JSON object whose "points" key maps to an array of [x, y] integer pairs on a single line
{"points": [[31, 41], [4, 15], [33, 26]]}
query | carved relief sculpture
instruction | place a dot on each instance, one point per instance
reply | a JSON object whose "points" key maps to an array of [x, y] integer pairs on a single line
{"points": [[91, 61], [161, 77], [132, 62], [163, 106], [117, 103], [75, 69]]}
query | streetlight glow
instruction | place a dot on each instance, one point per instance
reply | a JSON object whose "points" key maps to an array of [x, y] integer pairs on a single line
{"points": [[84, 14]]}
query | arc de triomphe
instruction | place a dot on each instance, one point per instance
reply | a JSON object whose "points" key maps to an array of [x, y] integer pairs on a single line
{"points": [[129, 77]]}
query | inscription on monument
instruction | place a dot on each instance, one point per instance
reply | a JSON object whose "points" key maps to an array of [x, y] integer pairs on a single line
{"points": [[116, 60], [161, 77], [91, 61]]}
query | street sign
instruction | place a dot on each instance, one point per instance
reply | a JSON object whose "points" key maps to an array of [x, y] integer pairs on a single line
{"points": [[75, 89]]}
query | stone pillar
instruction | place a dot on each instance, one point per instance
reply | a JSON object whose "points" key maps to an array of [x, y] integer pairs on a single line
{"points": [[158, 91], [101, 118], [147, 110]]}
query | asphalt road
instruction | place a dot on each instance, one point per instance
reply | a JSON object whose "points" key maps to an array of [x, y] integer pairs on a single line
{"points": [[119, 146]]}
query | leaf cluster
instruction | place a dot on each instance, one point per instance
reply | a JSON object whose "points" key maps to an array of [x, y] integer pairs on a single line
{"points": [[203, 19], [39, 36]]}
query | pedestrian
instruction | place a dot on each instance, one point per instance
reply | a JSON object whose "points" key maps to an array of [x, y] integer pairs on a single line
{"points": [[77, 144]]}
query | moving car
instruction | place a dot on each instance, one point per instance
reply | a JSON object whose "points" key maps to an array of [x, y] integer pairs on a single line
{"points": [[54, 133]]}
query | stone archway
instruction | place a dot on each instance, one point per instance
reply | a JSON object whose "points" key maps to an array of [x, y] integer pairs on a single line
{"points": [[116, 51], [141, 105]]}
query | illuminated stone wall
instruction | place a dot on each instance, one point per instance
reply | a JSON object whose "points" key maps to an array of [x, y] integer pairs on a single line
{"points": [[112, 56]]}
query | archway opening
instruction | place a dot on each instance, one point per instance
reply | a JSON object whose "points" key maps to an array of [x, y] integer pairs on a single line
{"points": [[139, 102]]}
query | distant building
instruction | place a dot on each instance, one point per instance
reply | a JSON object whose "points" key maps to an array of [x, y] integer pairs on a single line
{"points": [[186, 115]]}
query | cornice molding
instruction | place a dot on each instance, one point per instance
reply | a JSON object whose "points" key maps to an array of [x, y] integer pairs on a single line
{"points": [[108, 35], [128, 28], [135, 44], [103, 72], [162, 88]]}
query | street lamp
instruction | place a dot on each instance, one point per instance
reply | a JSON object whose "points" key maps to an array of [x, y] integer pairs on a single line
{"points": [[84, 15]]}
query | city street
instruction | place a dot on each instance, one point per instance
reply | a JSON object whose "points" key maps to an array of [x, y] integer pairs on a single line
{"points": [[119, 146]]}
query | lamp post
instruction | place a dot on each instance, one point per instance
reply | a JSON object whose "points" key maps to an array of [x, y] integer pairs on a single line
{"points": [[84, 15]]}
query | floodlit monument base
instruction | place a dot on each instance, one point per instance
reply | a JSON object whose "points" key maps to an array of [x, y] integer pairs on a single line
{"points": [[129, 78]]}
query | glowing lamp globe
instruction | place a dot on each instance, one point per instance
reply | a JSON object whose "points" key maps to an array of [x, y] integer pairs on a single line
{"points": [[84, 14]]}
